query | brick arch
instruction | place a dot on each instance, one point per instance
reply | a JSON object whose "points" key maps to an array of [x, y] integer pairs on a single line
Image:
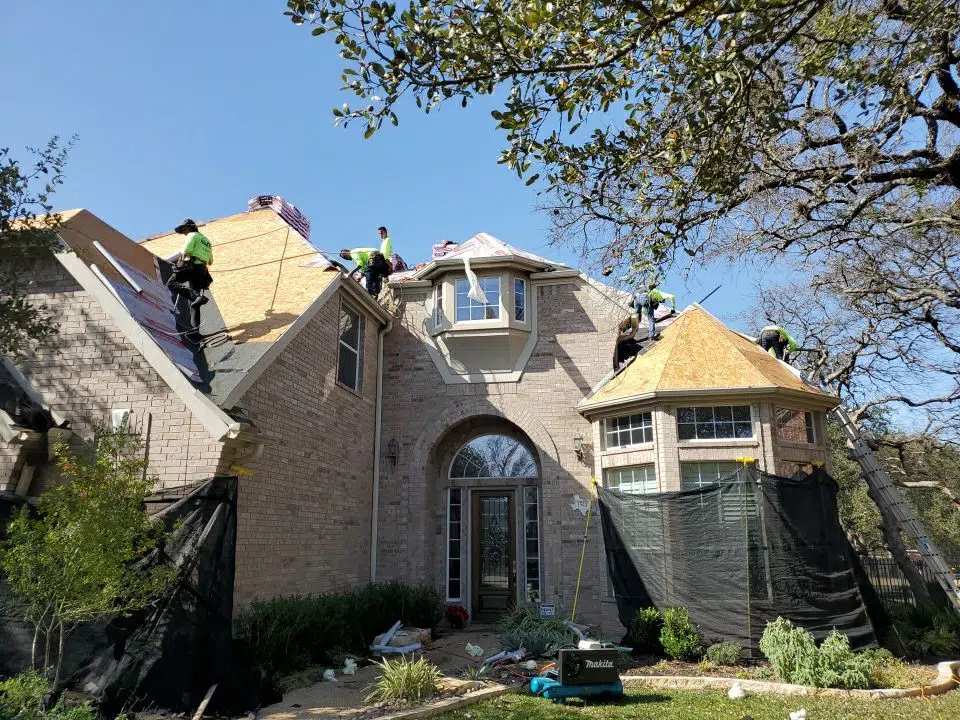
{"points": [[511, 411]]}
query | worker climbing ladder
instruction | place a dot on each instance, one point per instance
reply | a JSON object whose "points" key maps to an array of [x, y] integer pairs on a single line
{"points": [[887, 494]]}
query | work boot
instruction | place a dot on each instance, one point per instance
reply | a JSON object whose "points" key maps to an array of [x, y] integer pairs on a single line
{"points": [[200, 300]]}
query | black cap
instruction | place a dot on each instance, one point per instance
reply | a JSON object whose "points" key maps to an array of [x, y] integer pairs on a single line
{"points": [[186, 226]]}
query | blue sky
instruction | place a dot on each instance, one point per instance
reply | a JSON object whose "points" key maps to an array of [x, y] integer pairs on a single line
{"points": [[190, 108]]}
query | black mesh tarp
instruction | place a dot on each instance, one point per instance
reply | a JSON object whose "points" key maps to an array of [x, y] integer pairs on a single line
{"points": [[736, 554], [168, 655]]}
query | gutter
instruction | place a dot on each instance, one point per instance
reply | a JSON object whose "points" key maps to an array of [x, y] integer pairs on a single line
{"points": [[375, 510]]}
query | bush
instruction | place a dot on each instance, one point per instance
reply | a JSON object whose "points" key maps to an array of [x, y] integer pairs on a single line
{"points": [[928, 634], [644, 633], [289, 634], [795, 658], [522, 627], [22, 696], [724, 653], [678, 636], [405, 680]]}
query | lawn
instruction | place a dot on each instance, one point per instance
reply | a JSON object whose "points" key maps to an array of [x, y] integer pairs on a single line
{"points": [[669, 705]]}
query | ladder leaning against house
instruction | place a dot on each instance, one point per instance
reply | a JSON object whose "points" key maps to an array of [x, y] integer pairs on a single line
{"points": [[887, 493]]}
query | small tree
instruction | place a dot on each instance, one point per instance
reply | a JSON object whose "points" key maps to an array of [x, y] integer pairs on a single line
{"points": [[76, 560]]}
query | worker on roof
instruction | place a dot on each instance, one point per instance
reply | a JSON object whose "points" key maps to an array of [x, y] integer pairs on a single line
{"points": [[372, 263], [777, 341], [647, 303], [190, 276], [627, 346]]}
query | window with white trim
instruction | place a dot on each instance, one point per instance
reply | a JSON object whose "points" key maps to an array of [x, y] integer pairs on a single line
{"points": [[531, 534], [349, 366], [628, 430], [454, 528], [795, 426], [438, 305], [520, 300], [631, 479], [723, 422], [468, 309], [736, 499]]}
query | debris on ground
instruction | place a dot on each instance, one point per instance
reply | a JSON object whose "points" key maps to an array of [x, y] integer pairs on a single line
{"points": [[504, 656], [474, 650], [329, 675], [736, 691], [349, 666], [800, 714]]}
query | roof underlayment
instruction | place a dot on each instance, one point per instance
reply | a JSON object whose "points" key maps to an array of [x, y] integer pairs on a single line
{"points": [[698, 352]]}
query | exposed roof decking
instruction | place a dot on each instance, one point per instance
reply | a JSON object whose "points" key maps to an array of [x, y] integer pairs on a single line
{"points": [[698, 353]]}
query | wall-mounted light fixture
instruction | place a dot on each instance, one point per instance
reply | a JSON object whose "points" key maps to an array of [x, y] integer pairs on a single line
{"points": [[578, 445], [393, 451]]}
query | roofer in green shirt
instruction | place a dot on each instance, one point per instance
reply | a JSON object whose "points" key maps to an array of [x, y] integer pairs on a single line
{"points": [[777, 341], [190, 276], [372, 263], [648, 302]]}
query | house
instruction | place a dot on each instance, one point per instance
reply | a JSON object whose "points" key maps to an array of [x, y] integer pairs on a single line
{"points": [[441, 435]]}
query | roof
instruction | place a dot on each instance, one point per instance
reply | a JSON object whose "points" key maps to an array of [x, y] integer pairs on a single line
{"points": [[268, 282], [697, 352], [265, 274], [481, 248]]}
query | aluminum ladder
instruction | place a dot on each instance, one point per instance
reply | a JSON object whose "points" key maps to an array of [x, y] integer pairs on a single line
{"points": [[889, 495]]}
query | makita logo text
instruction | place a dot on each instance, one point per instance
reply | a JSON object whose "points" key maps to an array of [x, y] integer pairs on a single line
{"points": [[599, 664]]}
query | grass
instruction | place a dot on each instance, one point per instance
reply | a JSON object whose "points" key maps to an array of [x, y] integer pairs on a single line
{"points": [[669, 705]]}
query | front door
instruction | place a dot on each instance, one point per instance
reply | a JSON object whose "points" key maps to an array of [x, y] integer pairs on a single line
{"points": [[494, 570]]}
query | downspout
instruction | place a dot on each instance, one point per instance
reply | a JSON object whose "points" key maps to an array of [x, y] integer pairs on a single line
{"points": [[375, 511]]}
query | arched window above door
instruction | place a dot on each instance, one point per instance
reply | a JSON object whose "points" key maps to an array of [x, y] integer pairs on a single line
{"points": [[493, 456]]}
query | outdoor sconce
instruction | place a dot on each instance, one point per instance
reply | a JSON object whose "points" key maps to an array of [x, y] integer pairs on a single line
{"points": [[578, 446], [393, 451]]}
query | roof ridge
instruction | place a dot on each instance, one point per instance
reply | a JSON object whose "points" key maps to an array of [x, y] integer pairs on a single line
{"points": [[739, 350]]}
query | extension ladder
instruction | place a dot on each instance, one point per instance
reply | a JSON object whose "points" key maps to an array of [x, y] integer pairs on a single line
{"points": [[887, 493]]}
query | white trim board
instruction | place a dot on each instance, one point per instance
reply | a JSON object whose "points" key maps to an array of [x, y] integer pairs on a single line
{"points": [[220, 426]]}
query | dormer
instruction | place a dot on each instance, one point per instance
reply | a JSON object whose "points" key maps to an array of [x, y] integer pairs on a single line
{"points": [[477, 341]]}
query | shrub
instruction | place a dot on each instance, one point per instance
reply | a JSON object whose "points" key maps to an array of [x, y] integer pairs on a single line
{"points": [[678, 636], [291, 633], [794, 655], [791, 651], [405, 680], [839, 666], [924, 633], [724, 653], [22, 696], [644, 633], [522, 627], [457, 616]]}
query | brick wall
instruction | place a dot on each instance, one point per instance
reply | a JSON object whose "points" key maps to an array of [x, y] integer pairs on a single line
{"points": [[576, 327], [90, 367], [304, 514]]}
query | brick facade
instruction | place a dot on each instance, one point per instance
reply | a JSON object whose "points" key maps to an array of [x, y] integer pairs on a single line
{"points": [[90, 368], [304, 513], [430, 420]]}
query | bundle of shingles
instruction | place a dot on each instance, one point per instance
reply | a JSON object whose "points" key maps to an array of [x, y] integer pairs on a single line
{"points": [[293, 217]]}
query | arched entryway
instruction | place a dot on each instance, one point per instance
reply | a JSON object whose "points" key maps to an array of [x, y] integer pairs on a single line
{"points": [[493, 518]]}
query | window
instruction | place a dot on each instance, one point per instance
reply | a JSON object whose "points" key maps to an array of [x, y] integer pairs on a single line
{"points": [[454, 525], [531, 533], [795, 426], [520, 300], [714, 423], [470, 309], [349, 369], [493, 456], [438, 305], [629, 430], [634, 480], [695, 475]]}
